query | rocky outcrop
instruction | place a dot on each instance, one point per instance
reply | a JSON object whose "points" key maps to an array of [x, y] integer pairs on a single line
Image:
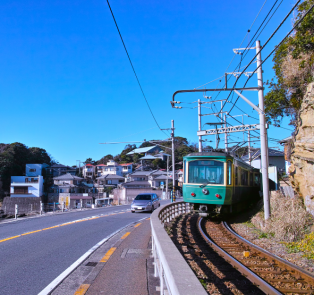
{"points": [[302, 157]]}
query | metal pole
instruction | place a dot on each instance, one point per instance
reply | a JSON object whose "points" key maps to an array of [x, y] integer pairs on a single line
{"points": [[226, 136], [199, 126], [167, 177], [41, 208], [249, 146], [16, 210], [263, 134], [173, 160]]}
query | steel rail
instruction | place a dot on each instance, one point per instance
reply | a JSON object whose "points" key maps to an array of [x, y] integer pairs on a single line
{"points": [[254, 278], [280, 261]]}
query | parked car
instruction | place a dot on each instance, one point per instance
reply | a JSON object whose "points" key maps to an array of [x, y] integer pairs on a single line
{"points": [[145, 202]]}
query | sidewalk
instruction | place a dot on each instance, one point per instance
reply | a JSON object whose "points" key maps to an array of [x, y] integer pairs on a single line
{"points": [[122, 265]]}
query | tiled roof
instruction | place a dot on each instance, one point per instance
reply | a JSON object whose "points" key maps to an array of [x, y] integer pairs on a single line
{"points": [[89, 165], [110, 176], [67, 176], [126, 164], [101, 165]]}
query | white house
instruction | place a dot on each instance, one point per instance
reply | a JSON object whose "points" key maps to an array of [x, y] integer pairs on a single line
{"points": [[113, 168], [30, 185], [88, 171]]}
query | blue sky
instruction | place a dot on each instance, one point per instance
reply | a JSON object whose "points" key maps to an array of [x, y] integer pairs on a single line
{"points": [[66, 84]]}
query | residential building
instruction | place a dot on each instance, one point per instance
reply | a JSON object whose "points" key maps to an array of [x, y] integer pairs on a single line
{"points": [[113, 168], [110, 180], [69, 190], [26, 186], [35, 169], [59, 169], [30, 185], [88, 171], [276, 158]]}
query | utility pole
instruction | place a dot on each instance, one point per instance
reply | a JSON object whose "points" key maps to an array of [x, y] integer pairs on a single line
{"points": [[199, 126], [167, 177], [249, 145], [173, 160], [263, 133], [226, 135]]}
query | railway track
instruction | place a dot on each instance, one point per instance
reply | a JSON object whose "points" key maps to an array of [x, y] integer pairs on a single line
{"points": [[270, 273], [225, 263]]}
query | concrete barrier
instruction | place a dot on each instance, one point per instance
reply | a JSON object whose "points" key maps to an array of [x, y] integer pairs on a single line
{"points": [[175, 274]]}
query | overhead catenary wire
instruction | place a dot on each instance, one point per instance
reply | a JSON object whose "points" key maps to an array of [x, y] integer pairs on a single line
{"points": [[253, 59], [138, 81], [264, 60]]}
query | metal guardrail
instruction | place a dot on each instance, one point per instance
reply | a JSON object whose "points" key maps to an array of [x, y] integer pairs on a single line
{"points": [[176, 276]]}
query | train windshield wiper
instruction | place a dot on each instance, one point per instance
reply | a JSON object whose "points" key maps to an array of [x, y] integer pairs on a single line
{"points": [[204, 184]]}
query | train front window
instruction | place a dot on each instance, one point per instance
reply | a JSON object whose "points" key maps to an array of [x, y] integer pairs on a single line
{"points": [[211, 172]]}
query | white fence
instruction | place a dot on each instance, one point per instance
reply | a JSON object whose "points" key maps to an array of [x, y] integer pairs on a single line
{"points": [[176, 276]]}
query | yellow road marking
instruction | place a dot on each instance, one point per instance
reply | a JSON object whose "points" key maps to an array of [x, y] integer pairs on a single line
{"points": [[49, 227], [108, 254], [82, 289], [125, 235], [31, 232], [137, 225], [148, 218], [93, 218], [9, 239]]}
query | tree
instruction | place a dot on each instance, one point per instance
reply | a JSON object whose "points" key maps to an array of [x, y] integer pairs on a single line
{"points": [[293, 65], [90, 161], [104, 160]]}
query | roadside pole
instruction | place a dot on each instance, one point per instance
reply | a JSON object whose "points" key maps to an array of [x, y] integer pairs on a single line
{"points": [[173, 160], [263, 134], [16, 210], [200, 148]]}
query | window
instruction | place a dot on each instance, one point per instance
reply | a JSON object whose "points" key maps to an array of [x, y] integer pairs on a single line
{"points": [[32, 170], [229, 173], [236, 176], [206, 172], [256, 179], [106, 169], [21, 190], [143, 197], [251, 179], [244, 177], [109, 181], [184, 169]]}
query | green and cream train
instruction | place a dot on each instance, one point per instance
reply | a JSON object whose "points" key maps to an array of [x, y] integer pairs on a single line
{"points": [[218, 182]]}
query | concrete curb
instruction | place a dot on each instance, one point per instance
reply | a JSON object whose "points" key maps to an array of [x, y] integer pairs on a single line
{"points": [[179, 277]]}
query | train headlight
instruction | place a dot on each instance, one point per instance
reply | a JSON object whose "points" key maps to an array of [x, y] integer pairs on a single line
{"points": [[217, 196], [193, 194]]}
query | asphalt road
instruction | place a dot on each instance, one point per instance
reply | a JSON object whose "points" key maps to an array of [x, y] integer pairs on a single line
{"points": [[28, 263]]}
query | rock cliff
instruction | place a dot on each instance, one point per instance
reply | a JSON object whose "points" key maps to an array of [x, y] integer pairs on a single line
{"points": [[302, 156]]}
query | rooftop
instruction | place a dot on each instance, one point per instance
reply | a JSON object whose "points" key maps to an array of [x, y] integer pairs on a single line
{"points": [[67, 176], [143, 150], [257, 154]]}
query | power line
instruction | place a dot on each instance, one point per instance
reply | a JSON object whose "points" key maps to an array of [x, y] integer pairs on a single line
{"points": [[288, 34], [133, 67], [272, 35]]}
